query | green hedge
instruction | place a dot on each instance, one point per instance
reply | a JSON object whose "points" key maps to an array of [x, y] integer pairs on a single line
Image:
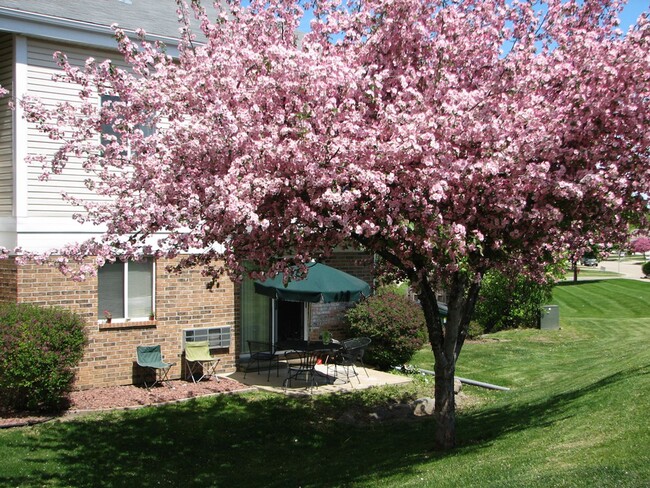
{"points": [[39, 349], [393, 322]]}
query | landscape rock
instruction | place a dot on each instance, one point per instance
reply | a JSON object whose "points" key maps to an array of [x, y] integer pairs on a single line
{"points": [[423, 407]]}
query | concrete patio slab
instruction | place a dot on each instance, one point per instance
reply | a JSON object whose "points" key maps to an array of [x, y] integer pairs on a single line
{"points": [[326, 381]]}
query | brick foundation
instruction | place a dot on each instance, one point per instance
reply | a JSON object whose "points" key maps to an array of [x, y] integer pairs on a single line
{"points": [[182, 301]]}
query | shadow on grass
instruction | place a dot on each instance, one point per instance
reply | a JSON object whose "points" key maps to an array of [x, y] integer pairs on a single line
{"points": [[257, 440], [229, 441]]}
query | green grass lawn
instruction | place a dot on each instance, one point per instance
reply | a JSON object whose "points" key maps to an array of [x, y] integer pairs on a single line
{"points": [[577, 415], [635, 258]]}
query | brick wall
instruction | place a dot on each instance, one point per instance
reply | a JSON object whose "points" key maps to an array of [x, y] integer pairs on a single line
{"points": [[8, 280], [355, 263], [182, 301]]}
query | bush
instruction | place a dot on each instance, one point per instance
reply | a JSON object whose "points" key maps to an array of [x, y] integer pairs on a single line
{"points": [[475, 330], [39, 347], [645, 269], [393, 322], [508, 303]]}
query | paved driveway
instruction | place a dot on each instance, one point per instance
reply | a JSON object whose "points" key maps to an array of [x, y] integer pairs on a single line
{"points": [[629, 269]]}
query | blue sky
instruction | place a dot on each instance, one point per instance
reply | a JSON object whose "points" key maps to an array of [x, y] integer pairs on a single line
{"points": [[632, 10]]}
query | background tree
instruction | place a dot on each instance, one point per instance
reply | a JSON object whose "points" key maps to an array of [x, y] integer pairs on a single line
{"points": [[450, 138], [640, 244]]}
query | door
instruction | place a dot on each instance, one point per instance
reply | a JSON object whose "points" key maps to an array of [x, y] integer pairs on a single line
{"points": [[290, 320]]}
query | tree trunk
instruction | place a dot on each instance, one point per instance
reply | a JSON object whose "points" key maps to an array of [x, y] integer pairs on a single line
{"points": [[446, 340], [445, 406]]}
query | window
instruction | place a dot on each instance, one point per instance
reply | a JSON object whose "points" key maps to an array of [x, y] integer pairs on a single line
{"points": [[126, 289], [107, 129], [267, 320]]}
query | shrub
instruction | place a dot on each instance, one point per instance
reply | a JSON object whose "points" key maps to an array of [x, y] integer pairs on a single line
{"points": [[475, 330], [645, 269], [508, 303], [393, 322], [39, 347]]}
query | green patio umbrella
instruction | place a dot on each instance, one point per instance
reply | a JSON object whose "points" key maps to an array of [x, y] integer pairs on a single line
{"points": [[322, 284]]}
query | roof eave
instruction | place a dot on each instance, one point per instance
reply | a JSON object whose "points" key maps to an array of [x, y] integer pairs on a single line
{"points": [[67, 30]]}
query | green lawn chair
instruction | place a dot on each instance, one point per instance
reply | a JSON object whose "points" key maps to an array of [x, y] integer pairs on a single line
{"points": [[199, 361], [150, 357]]}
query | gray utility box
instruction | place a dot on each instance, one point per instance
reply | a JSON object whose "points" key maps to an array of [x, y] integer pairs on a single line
{"points": [[550, 317]]}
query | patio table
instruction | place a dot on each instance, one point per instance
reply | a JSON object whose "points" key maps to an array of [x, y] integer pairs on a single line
{"points": [[319, 348], [303, 345]]}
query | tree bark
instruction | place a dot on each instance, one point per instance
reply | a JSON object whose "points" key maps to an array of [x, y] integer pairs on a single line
{"points": [[445, 406], [446, 340]]}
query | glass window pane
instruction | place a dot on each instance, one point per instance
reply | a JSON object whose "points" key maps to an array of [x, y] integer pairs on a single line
{"points": [[107, 129], [111, 289], [255, 314], [148, 129], [140, 288]]}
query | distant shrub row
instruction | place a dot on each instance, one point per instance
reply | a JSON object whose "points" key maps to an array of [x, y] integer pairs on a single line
{"points": [[397, 328], [39, 349]]}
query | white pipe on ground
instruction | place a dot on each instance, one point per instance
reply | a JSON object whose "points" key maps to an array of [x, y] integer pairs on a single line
{"points": [[465, 380]]}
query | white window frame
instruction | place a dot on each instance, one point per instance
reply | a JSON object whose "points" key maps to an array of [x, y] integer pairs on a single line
{"points": [[114, 98], [125, 295]]}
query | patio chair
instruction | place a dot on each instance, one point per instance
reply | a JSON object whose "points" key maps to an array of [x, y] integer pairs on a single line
{"points": [[301, 363], [351, 352], [199, 361], [362, 345], [262, 352], [150, 358]]}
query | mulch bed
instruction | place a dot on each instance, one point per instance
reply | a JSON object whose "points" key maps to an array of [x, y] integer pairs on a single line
{"points": [[127, 397]]}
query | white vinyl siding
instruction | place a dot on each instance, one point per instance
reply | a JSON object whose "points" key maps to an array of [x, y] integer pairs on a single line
{"points": [[44, 197], [6, 121]]}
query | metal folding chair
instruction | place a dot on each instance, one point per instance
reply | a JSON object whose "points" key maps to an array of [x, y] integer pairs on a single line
{"points": [[351, 352], [301, 363], [199, 361], [262, 352], [150, 358]]}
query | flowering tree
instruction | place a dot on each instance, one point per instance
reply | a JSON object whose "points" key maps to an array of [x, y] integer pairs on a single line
{"points": [[641, 244], [448, 138]]}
